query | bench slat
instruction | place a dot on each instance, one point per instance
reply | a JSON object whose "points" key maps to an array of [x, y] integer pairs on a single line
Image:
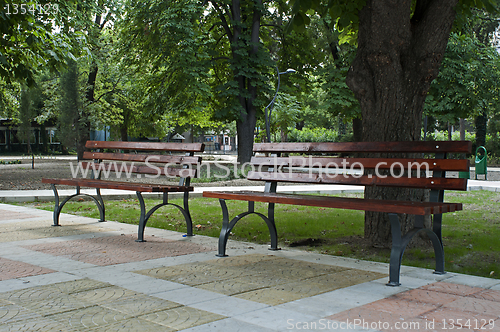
{"points": [[141, 169], [388, 206], [106, 184], [365, 180], [151, 146], [367, 147], [368, 163], [171, 159]]}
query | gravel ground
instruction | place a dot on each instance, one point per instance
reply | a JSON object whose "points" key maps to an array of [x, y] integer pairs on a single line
{"points": [[24, 177]]}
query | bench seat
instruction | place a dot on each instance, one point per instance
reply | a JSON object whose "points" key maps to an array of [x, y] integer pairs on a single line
{"points": [[109, 184], [375, 205]]}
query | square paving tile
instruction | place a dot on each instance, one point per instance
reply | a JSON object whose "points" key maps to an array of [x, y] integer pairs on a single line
{"points": [[83, 305], [265, 279], [450, 288], [110, 250], [181, 317], [434, 307], [10, 269]]}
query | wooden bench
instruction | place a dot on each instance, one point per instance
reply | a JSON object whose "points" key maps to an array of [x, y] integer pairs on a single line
{"points": [[314, 165], [155, 160]]}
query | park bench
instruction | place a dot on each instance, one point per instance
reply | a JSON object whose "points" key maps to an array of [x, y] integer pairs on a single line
{"points": [[316, 163], [154, 160]]}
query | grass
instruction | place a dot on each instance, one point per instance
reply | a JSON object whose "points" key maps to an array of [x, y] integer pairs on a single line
{"points": [[471, 237]]}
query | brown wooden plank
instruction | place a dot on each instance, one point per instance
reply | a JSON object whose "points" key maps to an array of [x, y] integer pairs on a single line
{"points": [[375, 205], [151, 146], [365, 180], [141, 169], [373, 147], [164, 159], [367, 163], [106, 184]]}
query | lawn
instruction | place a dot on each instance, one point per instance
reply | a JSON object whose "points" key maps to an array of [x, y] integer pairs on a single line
{"points": [[471, 237]]}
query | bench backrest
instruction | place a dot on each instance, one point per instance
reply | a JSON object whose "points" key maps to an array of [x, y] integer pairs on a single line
{"points": [[154, 158], [389, 164]]}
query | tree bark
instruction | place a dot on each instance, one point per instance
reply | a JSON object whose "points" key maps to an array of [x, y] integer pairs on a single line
{"points": [[398, 56], [245, 125], [481, 122]]}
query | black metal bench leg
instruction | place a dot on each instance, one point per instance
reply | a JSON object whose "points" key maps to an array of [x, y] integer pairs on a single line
{"points": [[272, 227], [57, 209], [396, 251], [187, 215], [225, 231], [100, 205], [142, 219]]}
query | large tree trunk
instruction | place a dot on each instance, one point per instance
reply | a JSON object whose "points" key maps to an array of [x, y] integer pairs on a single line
{"points": [[398, 56], [245, 125]]}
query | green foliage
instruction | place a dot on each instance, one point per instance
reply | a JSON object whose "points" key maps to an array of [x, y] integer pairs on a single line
{"points": [[468, 83], [29, 41], [312, 135]]}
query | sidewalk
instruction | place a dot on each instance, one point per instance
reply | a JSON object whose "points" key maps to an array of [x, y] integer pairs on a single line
{"points": [[93, 276]]}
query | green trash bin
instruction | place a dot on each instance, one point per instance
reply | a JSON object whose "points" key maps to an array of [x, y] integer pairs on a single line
{"points": [[481, 163]]}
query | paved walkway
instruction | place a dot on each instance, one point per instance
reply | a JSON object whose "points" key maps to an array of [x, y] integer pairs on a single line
{"points": [[93, 276]]}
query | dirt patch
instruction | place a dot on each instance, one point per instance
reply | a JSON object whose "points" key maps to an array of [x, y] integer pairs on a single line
{"points": [[24, 177]]}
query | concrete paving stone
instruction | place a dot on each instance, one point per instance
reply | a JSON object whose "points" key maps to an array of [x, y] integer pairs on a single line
{"points": [[479, 306], [452, 288], [12, 285], [273, 318], [408, 282], [229, 306], [181, 317], [79, 285], [473, 281], [451, 318], [426, 274], [323, 324], [189, 295], [363, 317], [428, 296], [88, 318], [488, 294], [496, 287], [32, 294], [140, 304], [32, 325], [378, 289], [7, 215], [228, 324], [330, 303], [10, 269], [59, 304], [132, 325], [206, 275], [111, 250], [400, 306], [147, 285], [344, 262], [10, 313], [230, 286], [104, 295], [241, 260], [271, 296], [50, 262]]}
